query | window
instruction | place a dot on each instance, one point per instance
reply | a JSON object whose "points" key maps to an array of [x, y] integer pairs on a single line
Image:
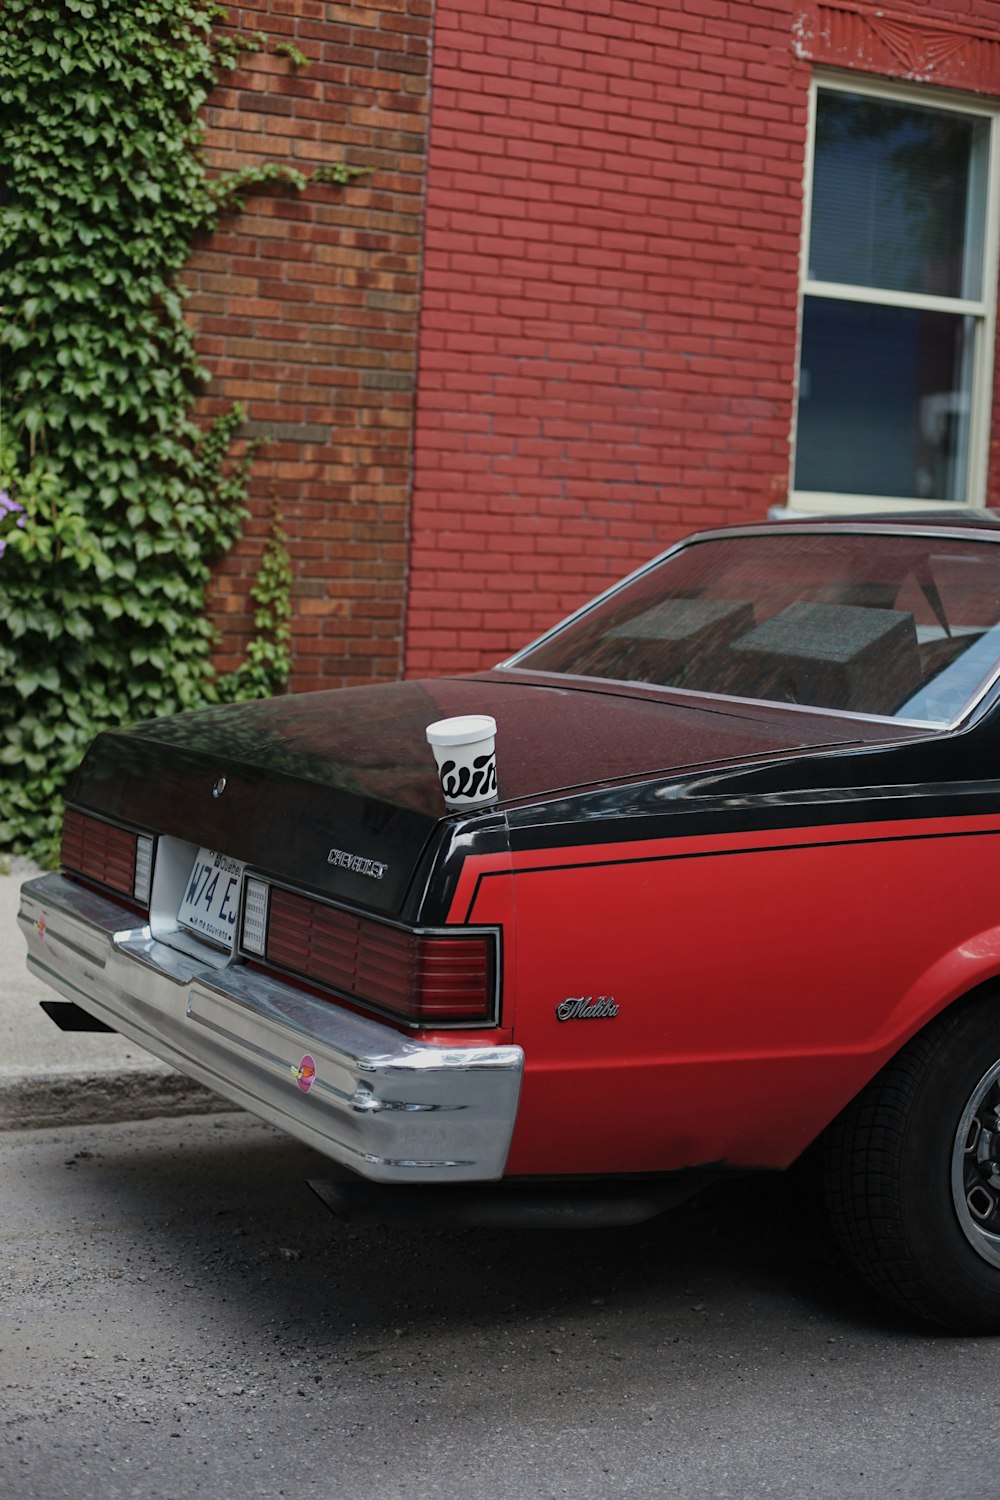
{"points": [[899, 625], [898, 314]]}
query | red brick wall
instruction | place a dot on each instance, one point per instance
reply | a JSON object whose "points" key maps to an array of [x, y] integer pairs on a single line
{"points": [[608, 313], [609, 320], [305, 308], [610, 291]]}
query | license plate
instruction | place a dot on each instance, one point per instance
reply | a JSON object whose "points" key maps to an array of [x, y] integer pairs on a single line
{"points": [[211, 900]]}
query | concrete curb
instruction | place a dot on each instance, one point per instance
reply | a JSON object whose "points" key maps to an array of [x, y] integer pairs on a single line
{"points": [[34, 1101], [52, 1077]]}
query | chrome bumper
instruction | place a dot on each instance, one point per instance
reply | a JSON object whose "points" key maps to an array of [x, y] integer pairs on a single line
{"points": [[392, 1108]]}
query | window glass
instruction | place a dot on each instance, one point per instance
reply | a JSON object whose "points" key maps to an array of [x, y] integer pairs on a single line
{"points": [[893, 389], [883, 400], [893, 625], [897, 196]]}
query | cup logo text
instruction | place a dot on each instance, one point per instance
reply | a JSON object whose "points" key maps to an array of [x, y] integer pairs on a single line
{"points": [[477, 780]]}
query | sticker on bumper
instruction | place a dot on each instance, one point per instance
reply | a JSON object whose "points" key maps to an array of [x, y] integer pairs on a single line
{"points": [[304, 1073]]}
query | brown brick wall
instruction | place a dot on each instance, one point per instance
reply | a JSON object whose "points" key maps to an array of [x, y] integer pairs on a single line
{"points": [[305, 310]]}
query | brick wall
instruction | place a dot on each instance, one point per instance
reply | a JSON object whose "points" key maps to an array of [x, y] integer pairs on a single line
{"points": [[609, 314], [609, 320], [305, 308]]}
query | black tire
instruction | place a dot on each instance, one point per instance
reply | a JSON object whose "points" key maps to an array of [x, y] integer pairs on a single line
{"points": [[911, 1173]]}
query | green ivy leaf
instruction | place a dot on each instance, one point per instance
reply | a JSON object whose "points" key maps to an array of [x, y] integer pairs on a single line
{"points": [[127, 502]]}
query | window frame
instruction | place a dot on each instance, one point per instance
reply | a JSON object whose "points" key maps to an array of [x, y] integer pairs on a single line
{"points": [[983, 311]]}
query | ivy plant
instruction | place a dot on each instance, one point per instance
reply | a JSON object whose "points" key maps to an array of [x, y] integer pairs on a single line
{"points": [[268, 663], [123, 500]]}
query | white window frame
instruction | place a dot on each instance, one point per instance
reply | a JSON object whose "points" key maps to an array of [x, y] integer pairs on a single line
{"points": [[984, 310]]}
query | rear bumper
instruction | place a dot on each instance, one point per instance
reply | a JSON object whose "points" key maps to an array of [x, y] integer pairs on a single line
{"points": [[390, 1107]]}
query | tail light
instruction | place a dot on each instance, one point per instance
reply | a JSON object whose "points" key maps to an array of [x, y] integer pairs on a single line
{"points": [[109, 855], [422, 978]]}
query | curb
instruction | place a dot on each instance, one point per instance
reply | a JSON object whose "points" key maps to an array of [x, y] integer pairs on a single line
{"points": [[35, 1101], [49, 1077]]}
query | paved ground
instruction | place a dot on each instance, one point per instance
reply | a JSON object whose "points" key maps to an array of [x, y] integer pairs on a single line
{"points": [[53, 1077], [180, 1319]]}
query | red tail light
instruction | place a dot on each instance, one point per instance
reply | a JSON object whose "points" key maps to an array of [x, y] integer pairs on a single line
{"points": [[422, 978], [99, 851]]}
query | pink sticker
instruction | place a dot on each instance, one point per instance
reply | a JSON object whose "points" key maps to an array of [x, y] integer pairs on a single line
{"points": [[305, 1073], [40, 927]]}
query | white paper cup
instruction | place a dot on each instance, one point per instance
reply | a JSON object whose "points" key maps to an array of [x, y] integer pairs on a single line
{"points": [[465, 751]]}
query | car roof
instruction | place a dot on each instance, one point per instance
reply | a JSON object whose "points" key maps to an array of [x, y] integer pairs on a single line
{"points": [[964, 517], [954, 521]]}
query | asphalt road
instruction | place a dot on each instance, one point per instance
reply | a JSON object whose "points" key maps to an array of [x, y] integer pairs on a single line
{"points": [[179, 1316]]}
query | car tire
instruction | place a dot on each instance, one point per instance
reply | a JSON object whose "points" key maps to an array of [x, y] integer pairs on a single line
{"points": [[911, 1173]]}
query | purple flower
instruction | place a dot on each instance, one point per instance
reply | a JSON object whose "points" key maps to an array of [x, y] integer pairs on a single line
{"points": [[11, 514]]}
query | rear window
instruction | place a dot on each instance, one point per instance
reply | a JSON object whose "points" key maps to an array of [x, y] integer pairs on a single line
{"points": [[894, 625]]}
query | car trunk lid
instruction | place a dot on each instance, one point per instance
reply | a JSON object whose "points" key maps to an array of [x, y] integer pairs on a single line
{"points": [[337, 791]]}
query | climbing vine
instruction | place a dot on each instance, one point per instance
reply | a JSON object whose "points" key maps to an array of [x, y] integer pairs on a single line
{"points": [[268, 663], [116, 501]]}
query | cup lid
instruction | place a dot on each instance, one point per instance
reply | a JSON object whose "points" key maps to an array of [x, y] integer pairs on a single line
{"points": [[462, 730]]}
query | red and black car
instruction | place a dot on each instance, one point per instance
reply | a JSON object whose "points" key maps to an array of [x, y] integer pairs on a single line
{"points": [[737, 899]]}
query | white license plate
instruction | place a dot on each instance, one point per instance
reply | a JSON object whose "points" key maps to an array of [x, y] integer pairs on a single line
{"points": [[211, 900]]}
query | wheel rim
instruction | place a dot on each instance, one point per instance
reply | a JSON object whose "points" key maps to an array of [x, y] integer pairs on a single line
{"points": [[975, 1168]]}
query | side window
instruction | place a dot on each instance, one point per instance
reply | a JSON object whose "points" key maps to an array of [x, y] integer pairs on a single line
{"points": [[898, 312]]}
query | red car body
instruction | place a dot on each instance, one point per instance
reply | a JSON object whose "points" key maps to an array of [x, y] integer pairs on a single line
{"points": [[743, 857]]}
